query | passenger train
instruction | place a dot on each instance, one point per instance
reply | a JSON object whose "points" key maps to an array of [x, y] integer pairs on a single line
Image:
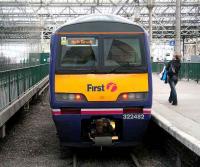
{"points": [[100, 82]]}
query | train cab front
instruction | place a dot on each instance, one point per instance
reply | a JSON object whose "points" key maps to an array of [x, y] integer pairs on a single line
{"points": [[100, 84]]}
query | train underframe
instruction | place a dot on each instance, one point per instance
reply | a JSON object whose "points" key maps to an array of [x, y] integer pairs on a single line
{"points": [[82, 130]]}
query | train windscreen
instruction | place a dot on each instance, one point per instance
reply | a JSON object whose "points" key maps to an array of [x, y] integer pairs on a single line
{"points": [[78, 52], [89, 54], [120, 52]]}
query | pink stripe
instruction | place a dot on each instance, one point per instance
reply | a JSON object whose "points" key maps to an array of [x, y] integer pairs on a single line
{"points": [[146, 110], [101, 112], [56, 113], [147, 113]]}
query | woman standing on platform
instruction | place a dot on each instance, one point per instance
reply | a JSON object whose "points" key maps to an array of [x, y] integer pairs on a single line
{"points": [[173, 68]]}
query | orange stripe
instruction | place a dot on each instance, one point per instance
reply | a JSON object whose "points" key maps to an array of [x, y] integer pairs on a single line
{"points": [[127, 33]]}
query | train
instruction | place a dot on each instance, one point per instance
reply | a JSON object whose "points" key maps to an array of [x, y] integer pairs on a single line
{"points": [[100, 82]]}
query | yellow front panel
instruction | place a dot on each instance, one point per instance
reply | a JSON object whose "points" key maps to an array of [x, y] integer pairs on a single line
{"points": [[101, 87]]}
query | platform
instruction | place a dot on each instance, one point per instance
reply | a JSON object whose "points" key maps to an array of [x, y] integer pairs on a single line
{"points": [[181, 121]]}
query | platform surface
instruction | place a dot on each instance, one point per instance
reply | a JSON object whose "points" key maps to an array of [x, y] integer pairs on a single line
{"points": [[181, 121]]}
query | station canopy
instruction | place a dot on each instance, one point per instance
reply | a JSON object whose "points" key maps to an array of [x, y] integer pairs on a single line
{"points": [[35, 19]]}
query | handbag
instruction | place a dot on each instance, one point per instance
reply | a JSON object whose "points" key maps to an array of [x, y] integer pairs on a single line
{"points": [[164, 74]]}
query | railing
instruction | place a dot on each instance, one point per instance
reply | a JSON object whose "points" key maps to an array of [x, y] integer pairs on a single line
{"points": [[4, 67], [14, 83], [187, 71]]}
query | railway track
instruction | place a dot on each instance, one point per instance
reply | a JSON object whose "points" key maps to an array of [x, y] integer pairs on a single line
{"points": [[135, 161], [124, 158], [32, 141]]}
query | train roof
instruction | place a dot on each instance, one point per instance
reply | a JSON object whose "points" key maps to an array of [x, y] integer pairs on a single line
{"points": [[100, 18]]}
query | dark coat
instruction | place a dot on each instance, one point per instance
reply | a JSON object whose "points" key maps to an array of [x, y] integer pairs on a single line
{"points": [[176, 64]]}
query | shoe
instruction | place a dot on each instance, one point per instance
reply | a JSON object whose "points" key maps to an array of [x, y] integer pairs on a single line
{"points": [[175, 103], [169, 100]]}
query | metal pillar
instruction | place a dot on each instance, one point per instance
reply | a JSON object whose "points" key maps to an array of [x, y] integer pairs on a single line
{"points": [[178, 28], [3, 131], [150, 28], [196, 46], [42, 40], [150, 7], [183, 47], [26, 106]]}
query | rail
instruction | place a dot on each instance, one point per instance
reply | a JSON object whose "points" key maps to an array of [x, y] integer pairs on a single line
{"points": [[15, 82], [187, 71]]}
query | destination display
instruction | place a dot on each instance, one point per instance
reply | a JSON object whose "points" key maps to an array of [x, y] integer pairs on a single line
{"points": [[78, 41]]}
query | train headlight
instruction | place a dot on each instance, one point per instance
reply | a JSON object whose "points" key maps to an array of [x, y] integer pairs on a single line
{"points": [[70, 97], [136, 96]]}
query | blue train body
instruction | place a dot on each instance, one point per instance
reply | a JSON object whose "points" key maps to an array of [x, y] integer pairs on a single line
{"points": [[122, 118]]}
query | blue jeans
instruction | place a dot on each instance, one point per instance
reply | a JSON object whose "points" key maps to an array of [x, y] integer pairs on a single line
{"points": [[173, 95]]}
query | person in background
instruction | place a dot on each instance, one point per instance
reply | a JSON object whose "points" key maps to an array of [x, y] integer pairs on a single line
{"points": [[173, 68]]}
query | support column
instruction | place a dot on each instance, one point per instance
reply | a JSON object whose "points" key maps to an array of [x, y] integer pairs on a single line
{"points": [[178, 28], [3, 131], [27, 106], [150, 7], [183, 48], [42, 41], [196, 46]]}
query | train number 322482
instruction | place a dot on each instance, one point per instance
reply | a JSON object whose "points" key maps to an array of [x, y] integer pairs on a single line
{"points": [[133, 116]]}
